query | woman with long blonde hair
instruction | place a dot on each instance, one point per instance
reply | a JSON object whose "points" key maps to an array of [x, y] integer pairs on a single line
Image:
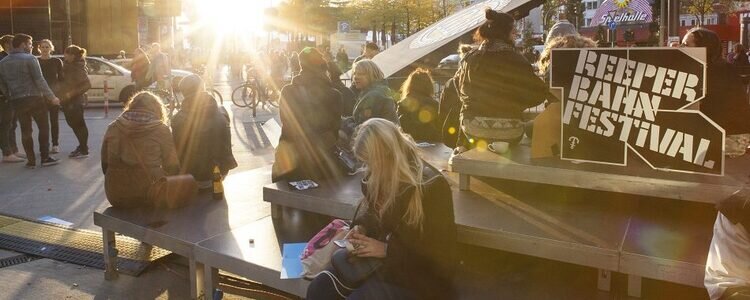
{"points": [[406, 220]]}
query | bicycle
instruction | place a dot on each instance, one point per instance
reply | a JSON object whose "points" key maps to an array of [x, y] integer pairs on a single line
{"points": [[252, 93]]}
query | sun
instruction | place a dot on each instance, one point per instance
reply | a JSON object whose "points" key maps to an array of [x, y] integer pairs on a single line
{"points": [[232, 16]]}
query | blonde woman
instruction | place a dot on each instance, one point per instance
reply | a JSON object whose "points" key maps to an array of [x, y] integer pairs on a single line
{"points": [[375, 98], [568, 41], [52, 71], [137, 141], [406, 220]]}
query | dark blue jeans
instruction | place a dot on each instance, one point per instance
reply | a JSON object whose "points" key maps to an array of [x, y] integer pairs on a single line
{"points": [[74, 117], [8, 123], [375, 288], [28, 109]]}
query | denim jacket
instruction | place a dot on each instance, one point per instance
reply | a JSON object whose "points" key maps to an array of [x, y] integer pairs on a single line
{"points": [[21, 77]]}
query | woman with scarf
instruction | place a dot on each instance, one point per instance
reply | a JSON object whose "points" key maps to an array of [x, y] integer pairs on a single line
{"points": [[496, 84]]}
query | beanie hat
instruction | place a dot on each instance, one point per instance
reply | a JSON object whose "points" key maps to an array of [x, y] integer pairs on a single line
{"points": [[561, 28]]}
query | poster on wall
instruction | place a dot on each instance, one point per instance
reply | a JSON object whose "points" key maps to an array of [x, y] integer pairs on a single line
{"points": [[618, 101]]}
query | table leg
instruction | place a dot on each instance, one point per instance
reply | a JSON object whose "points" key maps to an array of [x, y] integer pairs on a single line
{"points": [[604, 282], [196, 279], [276, 211], [110, 254], [464, 181], [210, 281], [634, 286]]}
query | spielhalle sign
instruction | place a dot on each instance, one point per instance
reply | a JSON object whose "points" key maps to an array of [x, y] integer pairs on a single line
{"points": [[639, 100]]}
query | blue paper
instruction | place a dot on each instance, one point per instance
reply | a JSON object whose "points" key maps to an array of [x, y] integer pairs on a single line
{"points": [[291, 262]]}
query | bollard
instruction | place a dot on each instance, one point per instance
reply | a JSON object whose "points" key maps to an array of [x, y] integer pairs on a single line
{"points": [[106, 99]]}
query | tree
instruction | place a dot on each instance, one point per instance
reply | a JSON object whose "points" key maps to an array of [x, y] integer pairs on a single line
{"points": [[701, 8]]}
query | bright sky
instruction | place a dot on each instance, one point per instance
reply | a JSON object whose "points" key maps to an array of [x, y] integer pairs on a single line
{"points": [[233, 15]]}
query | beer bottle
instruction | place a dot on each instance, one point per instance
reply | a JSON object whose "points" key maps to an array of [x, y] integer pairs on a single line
{"points": [[218, 185]]}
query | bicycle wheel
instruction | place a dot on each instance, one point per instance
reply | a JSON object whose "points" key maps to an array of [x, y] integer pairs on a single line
{"points": [[214, 93], [244, 95]]}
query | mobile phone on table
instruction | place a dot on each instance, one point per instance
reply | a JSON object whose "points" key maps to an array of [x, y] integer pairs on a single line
{"points": [[303, 184]]}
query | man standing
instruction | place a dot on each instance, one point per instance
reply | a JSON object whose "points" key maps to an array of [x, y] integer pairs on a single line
{"points": [[371, 49], [160, 65], [22, 82], [7, 117]]}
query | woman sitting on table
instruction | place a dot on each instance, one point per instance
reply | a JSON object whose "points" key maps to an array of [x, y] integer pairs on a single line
{"points": [[496, 84], [137, 149], [726, 99], [407, 222]]}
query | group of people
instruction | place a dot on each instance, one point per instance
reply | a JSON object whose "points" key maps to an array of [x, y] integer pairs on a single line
{"points": [[34, 90], [407, 206]]}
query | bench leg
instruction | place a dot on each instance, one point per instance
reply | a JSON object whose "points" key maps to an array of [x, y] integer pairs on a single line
{"points": [[210, 281], [634, 286], [276, 211], [464, 181], [604, 282], [196, 279], [110, 254]]}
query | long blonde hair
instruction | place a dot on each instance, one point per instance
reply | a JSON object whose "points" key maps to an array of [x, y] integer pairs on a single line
{"points": [[370, 68], [391, 159], [568, 41]]}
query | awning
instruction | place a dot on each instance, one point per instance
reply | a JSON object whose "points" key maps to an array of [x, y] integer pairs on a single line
{"points": [[424, 42]]}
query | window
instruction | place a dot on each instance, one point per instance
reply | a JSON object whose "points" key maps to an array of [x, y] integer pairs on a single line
{"points": [[692, 22], [594, 5], [682, 22], [96, 67], [587, 22]]}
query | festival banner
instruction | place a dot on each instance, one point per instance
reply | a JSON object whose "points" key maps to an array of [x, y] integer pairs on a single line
{"points": [[642, 100]]}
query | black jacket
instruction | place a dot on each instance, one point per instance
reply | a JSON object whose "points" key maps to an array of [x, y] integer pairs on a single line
{"points": [[726, 101], [75, 82], [348, 100], [418, 116], [310, 111], [423, 262], [449, 114], [52, 70], [495, 81], [202, 137]]}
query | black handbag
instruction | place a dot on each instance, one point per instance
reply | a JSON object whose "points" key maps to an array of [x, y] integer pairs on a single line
{"points": [[353, 271]]}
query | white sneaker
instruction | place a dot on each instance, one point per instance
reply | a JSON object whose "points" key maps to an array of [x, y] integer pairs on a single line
{"points": [[54, 149], [12, 159], [20, 155]]}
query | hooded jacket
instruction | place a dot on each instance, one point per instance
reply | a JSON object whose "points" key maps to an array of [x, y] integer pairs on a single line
{"points": [[75, 82], [310, 111], [418, 115], [375, 102], [496, 82], [137, 150], [202, 137]]}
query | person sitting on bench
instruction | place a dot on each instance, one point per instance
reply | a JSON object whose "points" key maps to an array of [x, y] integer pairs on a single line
{"points": [[375, 97], [726, 100], [310, 111], [727, 271], [202, 133], [418, 110], [496, 84], [406, 220], [139, 140]]}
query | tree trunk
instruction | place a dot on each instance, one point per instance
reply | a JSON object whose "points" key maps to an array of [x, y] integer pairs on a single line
{"points": [[375, 33], [393, 31], [408, 23], [383, 36]]}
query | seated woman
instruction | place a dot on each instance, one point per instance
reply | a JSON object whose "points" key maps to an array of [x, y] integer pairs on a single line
{"points": [[725, 101], [310, 110], [375, 98], [406, 220], [137, 150], [202, 134], [418, 110], [496, 84]]}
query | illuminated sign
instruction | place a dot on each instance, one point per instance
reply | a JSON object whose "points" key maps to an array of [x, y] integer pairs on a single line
{"points": [[623, 12]]}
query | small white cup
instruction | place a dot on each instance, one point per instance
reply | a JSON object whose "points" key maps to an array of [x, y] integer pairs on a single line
{"points": [[499, 147]]}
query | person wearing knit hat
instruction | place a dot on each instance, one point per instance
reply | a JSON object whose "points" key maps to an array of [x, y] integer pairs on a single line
{"points": [[496, 84], [202, 134], [561, 28], [310, 112]]}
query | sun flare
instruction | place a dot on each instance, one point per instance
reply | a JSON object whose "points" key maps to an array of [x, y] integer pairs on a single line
{"points": [[233, 16]]}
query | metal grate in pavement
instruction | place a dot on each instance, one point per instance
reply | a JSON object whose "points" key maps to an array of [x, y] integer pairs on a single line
{"points": [[76, 246], [16, 260]]}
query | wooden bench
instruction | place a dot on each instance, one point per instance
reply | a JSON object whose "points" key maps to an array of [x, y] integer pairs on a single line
{"points": [[179, 230], [635, 179], [257, 261], [543, 221]]}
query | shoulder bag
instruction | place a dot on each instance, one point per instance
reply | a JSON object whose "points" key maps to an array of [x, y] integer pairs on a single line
{"points": [[169, 191]]}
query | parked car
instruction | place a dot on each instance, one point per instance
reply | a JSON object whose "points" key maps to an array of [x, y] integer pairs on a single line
{"points": [[121, 87]]}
